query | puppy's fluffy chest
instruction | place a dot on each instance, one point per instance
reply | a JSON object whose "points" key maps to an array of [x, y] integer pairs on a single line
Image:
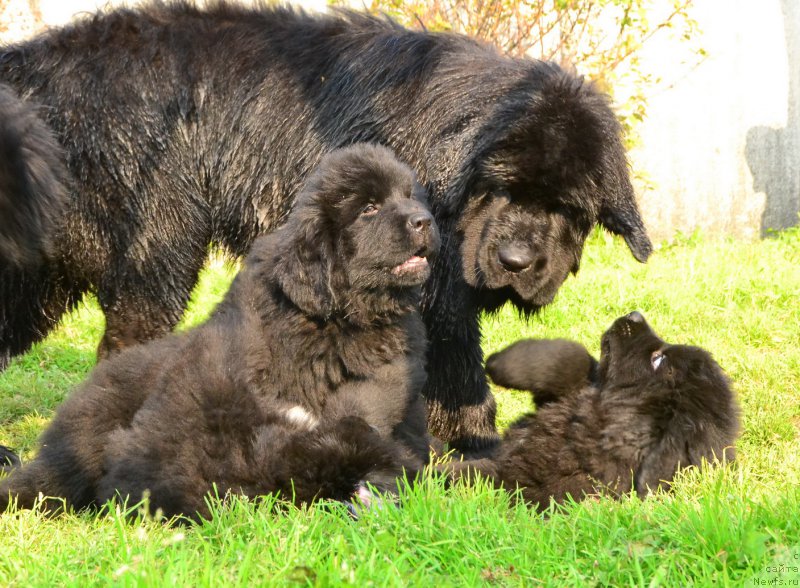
{"points": [[313, 359], [360, 351]]}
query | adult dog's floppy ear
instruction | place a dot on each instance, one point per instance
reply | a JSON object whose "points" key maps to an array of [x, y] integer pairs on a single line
{"points": [[305, 263], [621, 217], [619, 212]]}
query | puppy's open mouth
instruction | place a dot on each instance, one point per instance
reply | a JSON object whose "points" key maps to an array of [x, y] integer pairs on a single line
{"points": [[413, 264]]}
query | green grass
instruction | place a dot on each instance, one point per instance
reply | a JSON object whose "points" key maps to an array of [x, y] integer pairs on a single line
{"points": [[730, 525]]}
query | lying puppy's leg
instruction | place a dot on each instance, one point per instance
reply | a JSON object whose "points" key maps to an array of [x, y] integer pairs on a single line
{"points": [[334, 459], [467, 469], [550, 368]]}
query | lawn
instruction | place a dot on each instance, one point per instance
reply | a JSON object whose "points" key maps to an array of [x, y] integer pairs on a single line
{"points": [[734, 525]]}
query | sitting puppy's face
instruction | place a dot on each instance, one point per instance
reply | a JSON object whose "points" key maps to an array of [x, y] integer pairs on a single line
{"points": [[386, 231], [364, 235]]}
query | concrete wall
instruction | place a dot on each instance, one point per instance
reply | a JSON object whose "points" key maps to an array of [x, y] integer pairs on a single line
{"points": [[721, 143]]}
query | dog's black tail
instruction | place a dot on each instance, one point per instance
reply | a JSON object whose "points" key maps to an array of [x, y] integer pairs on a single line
{"points": [[33, 195]]}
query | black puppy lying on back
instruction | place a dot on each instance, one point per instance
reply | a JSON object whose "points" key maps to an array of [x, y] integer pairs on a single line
{"points": [[306, 379], [626, 423]]}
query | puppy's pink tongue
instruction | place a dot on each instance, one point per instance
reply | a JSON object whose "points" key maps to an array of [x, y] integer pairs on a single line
{"points": [[412, 263]]}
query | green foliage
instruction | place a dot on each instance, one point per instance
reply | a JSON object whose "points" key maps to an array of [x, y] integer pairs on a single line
{"points": [[720, 525]]}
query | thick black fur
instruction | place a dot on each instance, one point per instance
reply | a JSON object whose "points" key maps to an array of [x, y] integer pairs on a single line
{"points": [[306, 379], [628, 423], [8, 459], [32, 191], [185, 126]]}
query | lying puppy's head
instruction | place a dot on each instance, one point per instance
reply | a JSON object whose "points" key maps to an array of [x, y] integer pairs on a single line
{"points": [[679, 388], [648, 408], [359, 238], [633, 355]]}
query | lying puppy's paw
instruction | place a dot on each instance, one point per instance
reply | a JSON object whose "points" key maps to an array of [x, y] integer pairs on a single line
{"points": [[550, 368], [366, 498], [468, 470]]}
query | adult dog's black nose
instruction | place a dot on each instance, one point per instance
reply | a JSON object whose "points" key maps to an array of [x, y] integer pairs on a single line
{"points": [[420, 221], [515, 258]]}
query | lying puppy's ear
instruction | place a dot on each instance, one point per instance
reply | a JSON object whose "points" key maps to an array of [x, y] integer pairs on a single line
{"points": [[305, 264], [550, 368], [657, 470]]}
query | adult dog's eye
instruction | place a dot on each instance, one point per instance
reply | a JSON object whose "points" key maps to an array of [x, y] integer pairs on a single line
{"points": [[369, 209], [657, 359]]}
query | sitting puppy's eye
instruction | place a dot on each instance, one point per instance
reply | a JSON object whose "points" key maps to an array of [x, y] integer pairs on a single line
{"points": [[370, 209], [657, 359]]}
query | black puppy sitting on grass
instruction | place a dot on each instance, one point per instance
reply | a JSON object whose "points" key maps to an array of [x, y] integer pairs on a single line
{"points": [[629, 422], [306, 379]]}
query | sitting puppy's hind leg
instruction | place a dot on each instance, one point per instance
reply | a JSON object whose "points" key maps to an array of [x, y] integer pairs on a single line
{"points": [[22, 488], [468, 469]]}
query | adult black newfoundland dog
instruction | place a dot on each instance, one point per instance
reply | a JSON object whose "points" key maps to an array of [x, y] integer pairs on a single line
{"points": [[306, 379], [184, 126], [626, 423]]}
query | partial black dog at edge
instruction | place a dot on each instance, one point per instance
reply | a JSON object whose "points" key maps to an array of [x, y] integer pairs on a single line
{"points": [[183, 126], [306, 379], [33, 196], [629, 422], [8, 459]]}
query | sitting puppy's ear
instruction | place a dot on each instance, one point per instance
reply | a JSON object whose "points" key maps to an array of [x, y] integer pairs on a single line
{"points": [[550, 368], [305, 264]]}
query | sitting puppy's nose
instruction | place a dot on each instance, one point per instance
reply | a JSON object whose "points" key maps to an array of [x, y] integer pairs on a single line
{"points": [[635, 317], [515, 258], [420, 221]]}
